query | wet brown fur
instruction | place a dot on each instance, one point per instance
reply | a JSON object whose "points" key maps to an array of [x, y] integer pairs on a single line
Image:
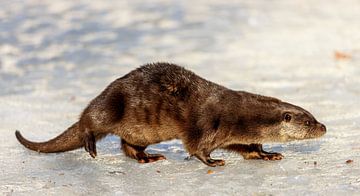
{"points": [[161, 101]]}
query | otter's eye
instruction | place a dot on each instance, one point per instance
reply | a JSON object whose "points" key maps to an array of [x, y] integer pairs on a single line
{"points": [[307, 123], [287, 117]]}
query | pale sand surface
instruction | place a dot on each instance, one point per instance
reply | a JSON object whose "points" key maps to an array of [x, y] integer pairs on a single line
{"points": [[55, 56]]}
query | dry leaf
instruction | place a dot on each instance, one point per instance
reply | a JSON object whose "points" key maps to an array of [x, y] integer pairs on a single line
{"points": [[349, 161], [341, 55], [210, 171]]}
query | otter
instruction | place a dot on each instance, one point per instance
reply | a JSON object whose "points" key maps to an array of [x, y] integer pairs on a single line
{"points": [[162, 101]]}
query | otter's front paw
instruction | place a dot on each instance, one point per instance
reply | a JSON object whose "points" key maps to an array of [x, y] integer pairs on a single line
{"points": [[215, 162], [272, 156], [205, 158], [149, 158]]}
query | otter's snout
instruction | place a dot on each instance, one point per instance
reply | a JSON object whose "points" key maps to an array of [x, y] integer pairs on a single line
{"points": [[316, 131], [321, 129]]}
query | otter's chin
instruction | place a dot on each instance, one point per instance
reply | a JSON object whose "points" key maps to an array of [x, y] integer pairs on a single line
{"points": [[315, 135]]}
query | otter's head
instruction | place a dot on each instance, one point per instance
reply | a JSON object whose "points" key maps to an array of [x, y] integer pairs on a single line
{"points": [[298, 124], [265, 119]]}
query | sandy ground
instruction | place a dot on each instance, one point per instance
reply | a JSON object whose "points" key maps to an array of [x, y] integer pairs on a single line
{"points": [[55, 56]]}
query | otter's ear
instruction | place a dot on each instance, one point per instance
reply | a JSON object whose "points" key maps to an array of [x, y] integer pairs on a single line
{"points": [[287, 117]]}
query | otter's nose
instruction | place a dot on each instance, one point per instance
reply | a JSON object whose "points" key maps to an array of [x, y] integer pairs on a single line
{"points": [[322, 127]]}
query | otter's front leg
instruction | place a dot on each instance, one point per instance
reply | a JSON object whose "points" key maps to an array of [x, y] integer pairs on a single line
{"points": [[201, 147], [254, 151], [202, 152]]}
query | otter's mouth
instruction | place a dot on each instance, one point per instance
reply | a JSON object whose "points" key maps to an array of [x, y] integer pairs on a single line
{"points": [[317, 131]]}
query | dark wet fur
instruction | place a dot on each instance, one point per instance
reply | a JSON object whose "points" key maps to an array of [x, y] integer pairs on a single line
{"points": [[161, 101]]}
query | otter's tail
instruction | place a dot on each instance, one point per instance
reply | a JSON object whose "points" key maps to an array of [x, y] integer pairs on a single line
{"points": [[70, 139]]}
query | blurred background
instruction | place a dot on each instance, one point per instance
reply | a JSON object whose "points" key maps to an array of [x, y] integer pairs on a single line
{"points": [[55, 56]]}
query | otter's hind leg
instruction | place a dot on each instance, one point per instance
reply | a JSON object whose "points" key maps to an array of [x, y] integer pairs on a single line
{"points": [[254, 151], [138, 153], [90, 143], [90, 139]]}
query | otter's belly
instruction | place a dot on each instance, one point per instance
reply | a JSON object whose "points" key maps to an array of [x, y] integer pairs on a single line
{"points": [[144, 134]]}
